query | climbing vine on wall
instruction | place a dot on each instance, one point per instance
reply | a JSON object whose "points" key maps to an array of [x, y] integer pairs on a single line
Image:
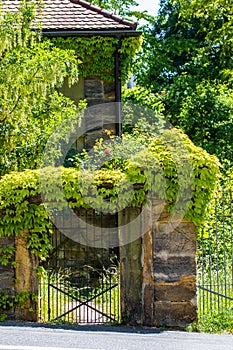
{"points": [[12, 301], [21, 204], [97, 54]]}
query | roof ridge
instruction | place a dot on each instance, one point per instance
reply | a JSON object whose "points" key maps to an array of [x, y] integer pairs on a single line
{"points": [[105, 13]]}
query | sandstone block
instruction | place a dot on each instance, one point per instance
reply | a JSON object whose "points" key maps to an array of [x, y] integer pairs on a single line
{"points": [[182, 290], [173, 267], [93, 87], [181, 240], [174, 314]]}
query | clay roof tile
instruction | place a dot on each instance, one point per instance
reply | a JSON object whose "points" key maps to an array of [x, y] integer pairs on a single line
{"points": [[74, 15]]}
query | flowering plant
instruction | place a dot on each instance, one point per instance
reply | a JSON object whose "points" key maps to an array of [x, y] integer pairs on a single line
{"points": [[114, 152]]}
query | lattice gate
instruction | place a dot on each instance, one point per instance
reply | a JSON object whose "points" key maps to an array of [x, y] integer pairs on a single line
{"points": [[79, 283]]}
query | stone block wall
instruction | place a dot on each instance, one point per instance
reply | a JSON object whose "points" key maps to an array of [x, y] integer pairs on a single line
{"points": [[174, 265], [7, 275], [175, 302], [165, 283], [97, 118], [97, 91]]}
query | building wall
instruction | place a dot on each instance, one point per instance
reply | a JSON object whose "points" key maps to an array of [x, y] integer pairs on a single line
{"points": [[97, 118]]}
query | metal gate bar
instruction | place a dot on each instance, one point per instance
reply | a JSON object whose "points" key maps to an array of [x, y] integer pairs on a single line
{"points": [[215, 258], [84, 302], [77, 273]]}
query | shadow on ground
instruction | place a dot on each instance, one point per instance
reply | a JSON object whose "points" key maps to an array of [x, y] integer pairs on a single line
{"points": [[84, 328]]}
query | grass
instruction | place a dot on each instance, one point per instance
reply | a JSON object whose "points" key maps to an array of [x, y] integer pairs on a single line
{"points": [[52, 302], [216, 287], [215, 313], [218, 323]]}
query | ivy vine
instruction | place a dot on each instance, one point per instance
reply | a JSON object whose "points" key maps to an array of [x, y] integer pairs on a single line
{"points": [[97, 54], [21, 206], [12, 301]]}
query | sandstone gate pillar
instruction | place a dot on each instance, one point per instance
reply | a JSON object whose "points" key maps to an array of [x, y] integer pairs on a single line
{"points": [[18, 281], [158, 270]]}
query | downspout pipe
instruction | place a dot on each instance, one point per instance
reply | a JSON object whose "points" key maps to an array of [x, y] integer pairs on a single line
{"points": [[118, 89]]}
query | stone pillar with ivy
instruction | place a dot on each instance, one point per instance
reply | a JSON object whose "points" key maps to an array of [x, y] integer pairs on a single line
{"points": [[158, 283], [18, 279]]}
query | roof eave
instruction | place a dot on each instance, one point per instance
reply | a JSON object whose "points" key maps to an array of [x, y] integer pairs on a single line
{"points": [[74, 33]]}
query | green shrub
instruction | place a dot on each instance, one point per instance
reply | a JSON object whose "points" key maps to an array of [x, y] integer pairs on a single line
{"points": [[220, 323]]}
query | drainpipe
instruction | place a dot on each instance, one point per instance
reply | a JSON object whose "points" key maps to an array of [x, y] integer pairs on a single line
{"points": [[118, 89]]}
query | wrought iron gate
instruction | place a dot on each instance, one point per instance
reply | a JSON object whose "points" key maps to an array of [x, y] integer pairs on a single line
{"points": [[215, 258], [79, 284]]}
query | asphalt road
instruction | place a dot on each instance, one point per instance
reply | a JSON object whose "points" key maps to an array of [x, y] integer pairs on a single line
{"points": [[25, 337]]}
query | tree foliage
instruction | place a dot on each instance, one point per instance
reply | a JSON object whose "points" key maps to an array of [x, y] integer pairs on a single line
{"points": [[189, 63], [30, 106], [123, 8], [120, 7], [185, 39]]}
